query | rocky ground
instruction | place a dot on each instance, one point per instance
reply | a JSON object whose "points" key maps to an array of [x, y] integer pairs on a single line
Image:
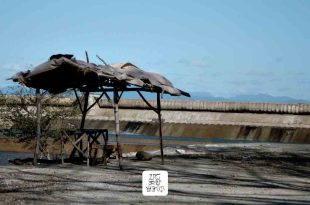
{"points": [[201, 174]]}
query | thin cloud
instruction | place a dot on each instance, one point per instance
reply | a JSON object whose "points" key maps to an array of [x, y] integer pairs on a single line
{"points": [[11, 67], [199, 63], [259, 73]]}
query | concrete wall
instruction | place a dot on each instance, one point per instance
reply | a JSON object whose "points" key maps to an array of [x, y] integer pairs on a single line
{"points": [[226, 132], [188, 105], [195, 119], [224, 120]]}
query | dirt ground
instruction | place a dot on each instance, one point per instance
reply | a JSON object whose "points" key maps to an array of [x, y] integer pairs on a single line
{"points": [[201, 174]]}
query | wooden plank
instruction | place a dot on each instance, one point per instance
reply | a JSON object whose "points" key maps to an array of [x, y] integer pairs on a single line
{"points": [[78, 149]]}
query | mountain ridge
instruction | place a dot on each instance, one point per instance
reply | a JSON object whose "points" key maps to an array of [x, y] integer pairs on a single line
{"points": [[206, 96]]}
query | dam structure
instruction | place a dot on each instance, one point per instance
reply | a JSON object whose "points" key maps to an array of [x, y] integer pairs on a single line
{"points": [[264, 122]]}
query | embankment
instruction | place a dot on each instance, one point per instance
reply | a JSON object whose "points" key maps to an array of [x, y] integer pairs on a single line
{"points": [[264, 122]]}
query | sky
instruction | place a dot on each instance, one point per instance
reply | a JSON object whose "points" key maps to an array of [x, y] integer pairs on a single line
{"points": [[223, 47]]}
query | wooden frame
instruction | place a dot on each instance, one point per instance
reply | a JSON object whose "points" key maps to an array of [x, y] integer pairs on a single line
{"points": [[78, 142]]}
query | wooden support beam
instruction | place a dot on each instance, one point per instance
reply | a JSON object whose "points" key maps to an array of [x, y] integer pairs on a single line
{"points": [[87, 59], [101, 89], [105, 137], [78, 149], [86, 96], [102, 60], [158, 111], [84, 109], [160, 128], [88, 150], [96, 102], [62, 148], [147, 103], [78, 100], [74, 143], [84, 113], [93, 140], [117, 131], [107, 96], [38, 134], [79, 139]]}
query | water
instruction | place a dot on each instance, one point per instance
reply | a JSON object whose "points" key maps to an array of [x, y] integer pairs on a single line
{"points": [[6, 156], [132, 139], [195, 140]]}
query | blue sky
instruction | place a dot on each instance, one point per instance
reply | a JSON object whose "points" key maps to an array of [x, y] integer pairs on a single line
{"points": [[222, 47]]}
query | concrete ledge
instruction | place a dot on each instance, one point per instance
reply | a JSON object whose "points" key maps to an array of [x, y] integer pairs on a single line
{"points": [[187, 105]]}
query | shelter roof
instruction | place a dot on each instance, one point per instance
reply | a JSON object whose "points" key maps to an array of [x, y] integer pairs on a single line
{"points": [[62, 72]]}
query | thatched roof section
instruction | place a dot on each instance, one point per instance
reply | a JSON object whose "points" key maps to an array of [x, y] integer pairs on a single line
{"points": [[63, 72]]}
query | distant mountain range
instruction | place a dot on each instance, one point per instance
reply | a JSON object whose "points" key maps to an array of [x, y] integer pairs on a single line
{"points": [[248, 98], [206, 96], [238, 98]]}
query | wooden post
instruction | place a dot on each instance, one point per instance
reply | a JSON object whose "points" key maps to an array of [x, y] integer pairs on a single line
{"points": [[104, 155], [116, 117], [160, 128], [84, 112], [38, 135], [86, 96], [88, 151], [62, 149]]}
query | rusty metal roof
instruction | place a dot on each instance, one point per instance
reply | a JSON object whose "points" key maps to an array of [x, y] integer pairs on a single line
{"points": [[63, 72]]}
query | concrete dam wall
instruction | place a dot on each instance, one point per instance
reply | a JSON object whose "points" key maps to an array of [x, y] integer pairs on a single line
{"points": [[213, 120], [188, 105]]}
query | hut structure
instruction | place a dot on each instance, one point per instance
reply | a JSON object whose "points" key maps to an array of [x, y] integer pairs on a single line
{"points": [[63, 72]]}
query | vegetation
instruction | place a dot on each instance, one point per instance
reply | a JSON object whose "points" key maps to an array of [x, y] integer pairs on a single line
{"points": [[18, 115]]}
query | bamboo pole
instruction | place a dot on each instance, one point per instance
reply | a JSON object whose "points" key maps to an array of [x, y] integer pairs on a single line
{"points": [[38, 134], [117, 131], [160, 128]]}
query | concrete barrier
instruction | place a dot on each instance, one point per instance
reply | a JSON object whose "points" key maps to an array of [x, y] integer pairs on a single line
{"points": [[214, 106]]}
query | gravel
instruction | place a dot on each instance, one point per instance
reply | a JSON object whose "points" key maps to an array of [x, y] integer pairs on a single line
{"points": [[251, 174]]}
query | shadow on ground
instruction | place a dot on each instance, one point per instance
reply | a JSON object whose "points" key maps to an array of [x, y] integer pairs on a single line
{"points": [[225, 177]]}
